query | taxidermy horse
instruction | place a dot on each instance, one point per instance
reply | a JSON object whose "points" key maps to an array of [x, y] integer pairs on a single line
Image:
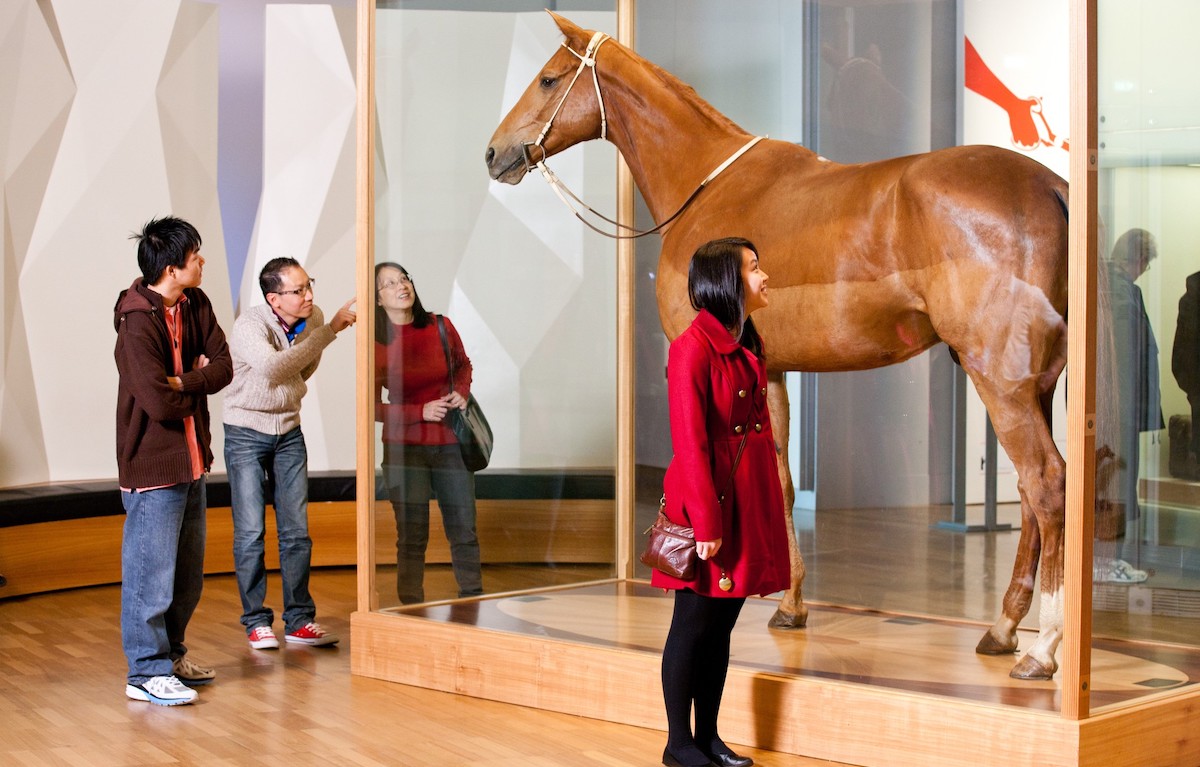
{"points": [[870, 265]]}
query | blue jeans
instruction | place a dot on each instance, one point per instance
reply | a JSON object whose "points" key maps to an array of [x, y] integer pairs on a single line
{"points": [[414, 474], [162, 574], [256, 463]]}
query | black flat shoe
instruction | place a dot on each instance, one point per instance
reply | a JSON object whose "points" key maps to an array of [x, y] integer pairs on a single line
{"points": [[731, 760], [670, 761]]}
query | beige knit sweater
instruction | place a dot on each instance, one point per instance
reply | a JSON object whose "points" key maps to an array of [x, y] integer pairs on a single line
{"points": [[269, 375]]}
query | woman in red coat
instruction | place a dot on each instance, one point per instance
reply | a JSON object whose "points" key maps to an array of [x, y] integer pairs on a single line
{"points": [[717, 385]]}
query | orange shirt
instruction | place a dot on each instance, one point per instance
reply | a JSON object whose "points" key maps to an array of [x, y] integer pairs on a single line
{"points": [[174, 320]]}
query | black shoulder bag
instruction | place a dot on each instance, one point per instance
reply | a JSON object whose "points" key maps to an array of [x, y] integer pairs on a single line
{"points": [[470, 426]]}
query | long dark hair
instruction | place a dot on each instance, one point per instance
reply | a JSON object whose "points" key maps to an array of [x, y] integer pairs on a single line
{"points": [[383, 326], [715, 284]]}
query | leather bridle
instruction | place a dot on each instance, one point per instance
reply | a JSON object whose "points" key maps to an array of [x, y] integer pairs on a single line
{"points": [[586, 60]]}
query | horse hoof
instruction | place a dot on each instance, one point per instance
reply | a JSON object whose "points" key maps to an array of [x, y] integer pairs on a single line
{"points": [[991, 645], [788, 621], [1030, 668]]}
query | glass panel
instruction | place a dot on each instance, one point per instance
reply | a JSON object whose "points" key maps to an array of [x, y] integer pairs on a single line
{"points": [[870, 81], [715, 47], [1147, 536], [531, 303]]}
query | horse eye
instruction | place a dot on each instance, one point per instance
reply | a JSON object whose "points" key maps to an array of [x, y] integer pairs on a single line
{"points": [[548, 82]]}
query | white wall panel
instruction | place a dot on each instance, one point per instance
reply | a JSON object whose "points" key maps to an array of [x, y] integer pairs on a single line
{"points": [[113, 123], [306, 211]]}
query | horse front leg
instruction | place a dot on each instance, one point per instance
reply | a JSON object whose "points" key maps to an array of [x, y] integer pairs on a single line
{"points": [[791, 613], [1001, 638]]}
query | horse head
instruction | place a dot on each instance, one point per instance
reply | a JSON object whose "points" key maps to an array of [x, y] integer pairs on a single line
{"points": [[559, 109]]}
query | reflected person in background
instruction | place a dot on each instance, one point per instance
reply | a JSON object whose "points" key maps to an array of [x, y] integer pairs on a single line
{"points": [[1185, 364], [1137, 386], [717, 390], [421, 457]]}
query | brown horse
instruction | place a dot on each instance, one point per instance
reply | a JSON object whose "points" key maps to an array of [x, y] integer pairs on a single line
{"points": [[870, 265]]}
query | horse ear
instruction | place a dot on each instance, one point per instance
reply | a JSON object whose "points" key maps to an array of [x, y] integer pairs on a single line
{"points": [[569, 28]]}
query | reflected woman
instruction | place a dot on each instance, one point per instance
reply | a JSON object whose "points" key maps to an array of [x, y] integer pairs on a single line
{"points": [[421, 458], [723, 448]]}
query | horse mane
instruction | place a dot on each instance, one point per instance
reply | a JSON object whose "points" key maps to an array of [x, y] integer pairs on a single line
{"points": [[686, 93]]}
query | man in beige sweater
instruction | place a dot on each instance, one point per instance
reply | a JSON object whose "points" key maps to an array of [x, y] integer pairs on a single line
{"points": [[275, 348]]}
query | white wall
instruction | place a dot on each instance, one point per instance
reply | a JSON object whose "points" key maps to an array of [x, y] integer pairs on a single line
{"points": [[110, 120]]}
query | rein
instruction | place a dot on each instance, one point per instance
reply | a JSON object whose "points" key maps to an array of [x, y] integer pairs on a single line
{"points": [[588, 59]]}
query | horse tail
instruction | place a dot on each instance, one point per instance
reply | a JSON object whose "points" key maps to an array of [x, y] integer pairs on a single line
{"points": [[1060, 194]]}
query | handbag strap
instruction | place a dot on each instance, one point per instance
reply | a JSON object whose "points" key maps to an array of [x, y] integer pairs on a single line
{"points": [[662, 502], [446, 348]]}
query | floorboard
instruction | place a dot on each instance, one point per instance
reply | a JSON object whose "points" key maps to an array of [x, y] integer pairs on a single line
{"points": [[62, 699]]}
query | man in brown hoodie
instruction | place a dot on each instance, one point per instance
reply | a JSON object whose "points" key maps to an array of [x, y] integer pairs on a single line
{"points": [[171, 354]]}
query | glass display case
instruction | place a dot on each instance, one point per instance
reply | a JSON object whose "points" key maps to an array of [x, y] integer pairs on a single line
{"points": [[567, 357]]}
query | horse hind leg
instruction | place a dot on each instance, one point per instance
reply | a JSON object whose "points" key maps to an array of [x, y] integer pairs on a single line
{"points": [[1041, 471], [1024, 432], [791, 613]]}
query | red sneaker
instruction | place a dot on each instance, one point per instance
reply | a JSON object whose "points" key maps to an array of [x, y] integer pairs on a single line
{"points": [[311, 634], [262, 638]]}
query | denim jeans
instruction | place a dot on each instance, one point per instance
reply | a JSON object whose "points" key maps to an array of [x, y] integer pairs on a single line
{"points": [[414, 474], [162, 574], [258, 463]]}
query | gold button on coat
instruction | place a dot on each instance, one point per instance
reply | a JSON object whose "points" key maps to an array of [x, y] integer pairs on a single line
{"points": [[741, 392], [758, 427], [737, 429]]}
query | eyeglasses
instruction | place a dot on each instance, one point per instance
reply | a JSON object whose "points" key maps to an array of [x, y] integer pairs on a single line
{"points": [[301, 291], [391, 283]]}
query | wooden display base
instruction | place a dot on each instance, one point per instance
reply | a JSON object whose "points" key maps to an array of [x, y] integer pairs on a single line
{"points": [[87, 552], [857, 686]]}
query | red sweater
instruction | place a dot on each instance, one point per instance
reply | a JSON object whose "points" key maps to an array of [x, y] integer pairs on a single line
{"points": [[413, 370]]}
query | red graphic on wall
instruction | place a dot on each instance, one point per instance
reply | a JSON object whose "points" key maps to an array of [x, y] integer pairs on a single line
{"points": [[1029, 127]]}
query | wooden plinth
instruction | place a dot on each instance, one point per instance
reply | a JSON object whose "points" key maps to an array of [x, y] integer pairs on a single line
{"points": [[857, 687], [87, 552]]}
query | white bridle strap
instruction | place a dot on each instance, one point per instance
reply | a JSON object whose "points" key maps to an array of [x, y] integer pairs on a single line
{"points": [[731, 159], [588, 59], [561, 190]]}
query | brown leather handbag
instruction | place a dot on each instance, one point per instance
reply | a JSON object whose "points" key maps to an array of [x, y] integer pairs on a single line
{"points": [[671, 548]]}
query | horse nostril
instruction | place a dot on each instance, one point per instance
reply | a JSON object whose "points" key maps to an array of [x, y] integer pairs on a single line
{"points": [[489, 155]]}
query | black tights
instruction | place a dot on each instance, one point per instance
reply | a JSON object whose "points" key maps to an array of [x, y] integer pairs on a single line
{"points": [[694, 665]]}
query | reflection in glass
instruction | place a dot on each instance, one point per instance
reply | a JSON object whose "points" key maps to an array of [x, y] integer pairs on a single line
{"points": [[1147, 546], [530, 295], [421, 363]]}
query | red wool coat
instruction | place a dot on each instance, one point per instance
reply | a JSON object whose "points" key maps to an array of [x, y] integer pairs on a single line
{"points": [[717, 391]]}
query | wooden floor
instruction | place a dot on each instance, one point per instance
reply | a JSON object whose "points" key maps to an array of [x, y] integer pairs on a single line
{"points": [[62, 670], [62, 699]]}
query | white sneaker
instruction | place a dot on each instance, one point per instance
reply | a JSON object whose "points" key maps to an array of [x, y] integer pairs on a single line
{"points": [[262, 638], [161, 691], [189, 673], [1118, 571]]}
